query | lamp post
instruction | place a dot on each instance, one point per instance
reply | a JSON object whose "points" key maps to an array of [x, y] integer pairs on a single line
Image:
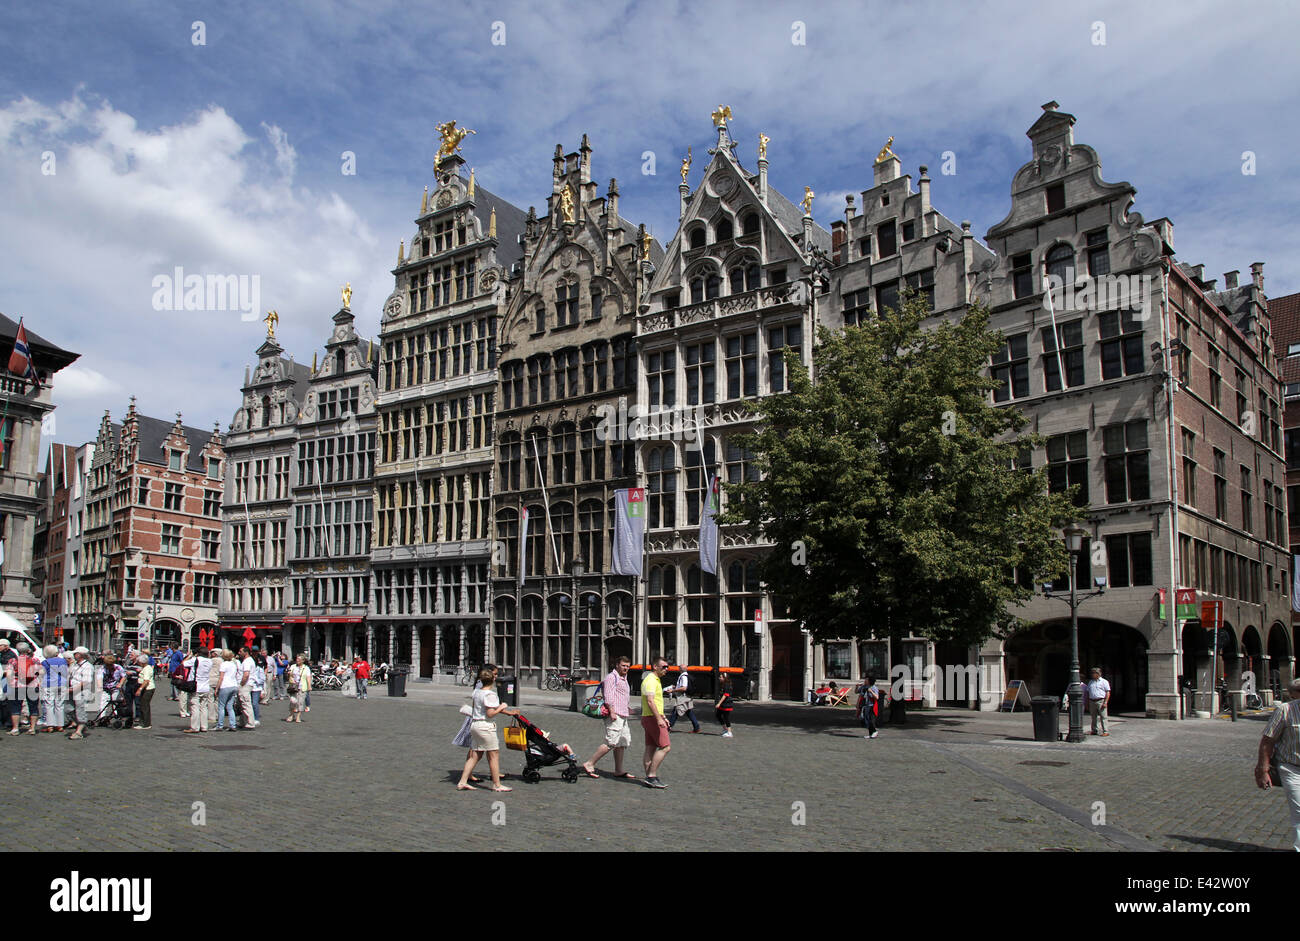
{"points": [[576, 570], [1074, 545]]}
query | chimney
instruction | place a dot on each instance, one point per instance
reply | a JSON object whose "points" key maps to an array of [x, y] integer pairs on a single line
{"points": [[850, 210], [1230, 279], [837, 241], [924, 183], [1198, 273], [1257, 274]]}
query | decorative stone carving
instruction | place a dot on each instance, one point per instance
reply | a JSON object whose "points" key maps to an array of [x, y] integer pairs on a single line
{"points": [[568, 257], [393, 306], [488, 282], [658, 322], [444, 199]]}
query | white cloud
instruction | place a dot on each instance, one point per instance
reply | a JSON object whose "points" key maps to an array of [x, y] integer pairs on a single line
{"points": [[80, 382]]}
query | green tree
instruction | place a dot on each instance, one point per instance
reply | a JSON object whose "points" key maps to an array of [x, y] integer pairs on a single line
{"points": [[890, 485]]}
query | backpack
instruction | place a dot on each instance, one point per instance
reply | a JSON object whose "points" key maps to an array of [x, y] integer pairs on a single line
{"points": [[185, 680]]}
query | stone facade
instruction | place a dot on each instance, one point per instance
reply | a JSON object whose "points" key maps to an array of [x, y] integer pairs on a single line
{"points": [[437, 374], [567, 370], [257, 509]]}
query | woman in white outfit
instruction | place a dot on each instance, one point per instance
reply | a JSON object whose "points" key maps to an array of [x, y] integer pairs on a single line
{"points": [[483, 733]]}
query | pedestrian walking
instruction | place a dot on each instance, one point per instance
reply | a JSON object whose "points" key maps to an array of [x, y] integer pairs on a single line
{"points": [[723, 708], [144, 690], [1098, 691], [683, 705], [173, 661], [247, 665], [1279, 756], [258, 684], [618, 734], [485, 705], [81, 685], [7, 702], [200, 670], [299, 685], [217, 657], [281, 670], [54, 689], [653, 721], [227, 690], [870, 706], [361, 673]]}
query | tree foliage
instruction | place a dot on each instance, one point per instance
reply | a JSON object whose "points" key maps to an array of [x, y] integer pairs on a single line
{"points": [[890, 488]]}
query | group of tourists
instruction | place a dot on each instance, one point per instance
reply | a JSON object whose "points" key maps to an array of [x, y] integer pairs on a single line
{"points": [[58, 689], [479, 732]]}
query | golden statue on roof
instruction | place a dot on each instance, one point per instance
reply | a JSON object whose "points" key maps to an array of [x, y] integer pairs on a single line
{"points": [[806, 202], [272, 318], [451, 136], [762, 145], [346, 293], [686, 164], [721, 115], [645, 246], [566, 204], [885, 152]]}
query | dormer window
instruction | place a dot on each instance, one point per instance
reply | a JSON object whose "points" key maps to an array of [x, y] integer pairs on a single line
{"points": [[214, 468], [266, 416], [884, 199], [1056, 197], [1060, 263], [174, 460], [749, 224], [725, 231], [697, 237], [909, 231], [886, 239]]}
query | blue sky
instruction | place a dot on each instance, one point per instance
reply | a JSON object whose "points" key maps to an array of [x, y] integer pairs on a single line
{"points": [[225, 157]]}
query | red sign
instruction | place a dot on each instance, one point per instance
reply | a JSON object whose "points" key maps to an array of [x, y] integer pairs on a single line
{"points": [[1185, 596], [1212, 615]]}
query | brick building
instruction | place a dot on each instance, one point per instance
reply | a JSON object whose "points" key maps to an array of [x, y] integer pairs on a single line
{"points": [[50, 543], [152, 533], [1284, 312]]}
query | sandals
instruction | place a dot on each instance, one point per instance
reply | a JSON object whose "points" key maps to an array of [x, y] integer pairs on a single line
{"points": [[589, 772], [628, 775], [502, 788], [190, 731], [466, 787]]}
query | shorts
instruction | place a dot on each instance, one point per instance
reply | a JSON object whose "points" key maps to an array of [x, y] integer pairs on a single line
{"points": [[656, 735], [483, 736], [617, 733]]}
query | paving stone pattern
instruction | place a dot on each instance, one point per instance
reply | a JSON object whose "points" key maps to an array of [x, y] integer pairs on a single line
{"points": [[380, 775]]}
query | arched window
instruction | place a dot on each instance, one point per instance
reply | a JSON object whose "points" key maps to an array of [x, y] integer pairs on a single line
{"points": [[508, 536], [697, 237], [701, 617], [592, 448], [749, 224], [535, 543], [661, 629], [751, 278], [1060, 262], [530, 634], [559, 646], [591, 534], [503, 631], [737, 280], [510, 461], [512, 384], [562, 521], [661, 486], [535, 457], [712, 285], [697, 290], [563, 452], [340, 362], [725, 231]]}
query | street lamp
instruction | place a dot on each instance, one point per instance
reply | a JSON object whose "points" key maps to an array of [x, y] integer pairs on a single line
{"points": [[1074, 545]]}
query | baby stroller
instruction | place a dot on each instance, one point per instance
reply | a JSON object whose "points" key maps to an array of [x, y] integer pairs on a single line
{"points": [[118, 711], [539, 751]]}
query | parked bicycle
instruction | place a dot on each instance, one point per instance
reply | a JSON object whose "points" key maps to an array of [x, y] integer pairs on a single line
{"points": [[468, 674], [559, 679]]}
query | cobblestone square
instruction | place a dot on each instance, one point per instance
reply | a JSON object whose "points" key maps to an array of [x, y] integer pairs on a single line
{"points": [[380, 775]]}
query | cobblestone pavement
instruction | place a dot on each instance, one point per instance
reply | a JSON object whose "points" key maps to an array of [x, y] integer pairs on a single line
{"points": [[380, 775]]}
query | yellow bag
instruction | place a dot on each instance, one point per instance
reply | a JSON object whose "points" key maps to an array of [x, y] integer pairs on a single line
{"points": [[516, 738]]}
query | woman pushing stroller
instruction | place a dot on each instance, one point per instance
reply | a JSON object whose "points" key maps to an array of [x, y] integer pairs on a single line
{"points": [[483, 733]]}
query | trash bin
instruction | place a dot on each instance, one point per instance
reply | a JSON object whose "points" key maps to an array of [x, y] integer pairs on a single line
{"points": [[1046, 722], [507, 687], [580, 692], [397, 681]]}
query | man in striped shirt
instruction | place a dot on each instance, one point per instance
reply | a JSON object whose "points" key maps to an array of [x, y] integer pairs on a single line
{"points": [[618, 735], [1280, 747]]}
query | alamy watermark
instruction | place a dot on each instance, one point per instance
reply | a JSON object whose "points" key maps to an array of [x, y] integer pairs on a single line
{"points": [[181, 291], [1134, 292]]}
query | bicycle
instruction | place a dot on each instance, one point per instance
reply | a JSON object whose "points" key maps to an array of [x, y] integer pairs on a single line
{"points": [[557, 679], [468, 674]]}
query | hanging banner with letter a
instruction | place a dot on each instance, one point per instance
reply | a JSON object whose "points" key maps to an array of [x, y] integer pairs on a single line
{"points": [[629, 530]]}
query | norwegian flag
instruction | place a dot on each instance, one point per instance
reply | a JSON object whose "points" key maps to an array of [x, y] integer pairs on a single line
{"points": [[20, 360]]}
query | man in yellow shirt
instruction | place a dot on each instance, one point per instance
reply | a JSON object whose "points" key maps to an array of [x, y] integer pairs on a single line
{"points": [[653, 721]]}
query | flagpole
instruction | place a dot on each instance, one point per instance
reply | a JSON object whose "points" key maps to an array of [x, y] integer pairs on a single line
{"points": [[1056, 337], [546, 503]]}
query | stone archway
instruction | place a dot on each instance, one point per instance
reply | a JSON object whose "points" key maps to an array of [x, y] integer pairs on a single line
{"points": [[1254, 659], [1040, 655]]}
